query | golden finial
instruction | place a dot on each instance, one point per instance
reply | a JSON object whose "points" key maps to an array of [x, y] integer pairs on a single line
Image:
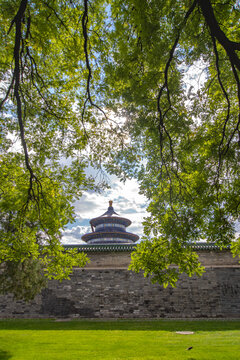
{"points": [[110, 203]]}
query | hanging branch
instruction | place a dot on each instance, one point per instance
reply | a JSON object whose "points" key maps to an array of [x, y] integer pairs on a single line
{"points": [[15, 86], [16, 79], [17, 20], [236, 129], [85, 46], [230, 48], [89, 98], [162, 127], [16, 76], [225, 94]]}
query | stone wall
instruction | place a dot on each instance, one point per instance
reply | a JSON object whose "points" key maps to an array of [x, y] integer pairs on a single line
{"points": [[121, 260], [106, 289]]}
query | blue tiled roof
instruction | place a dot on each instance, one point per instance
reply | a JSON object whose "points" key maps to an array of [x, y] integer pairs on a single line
{"points": [[130, 247]]}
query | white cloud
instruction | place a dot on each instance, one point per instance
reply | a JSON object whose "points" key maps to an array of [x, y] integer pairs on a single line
{"points": [[73, 236]]}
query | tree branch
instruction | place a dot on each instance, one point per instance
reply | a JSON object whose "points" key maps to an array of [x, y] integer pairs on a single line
{"points": [[17, 77], [216, 32], [15, 84], [85, 46], [228, 108], [162, 127]]}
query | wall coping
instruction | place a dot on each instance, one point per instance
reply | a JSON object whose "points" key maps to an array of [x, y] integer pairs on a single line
{"points": [[200, 246]]}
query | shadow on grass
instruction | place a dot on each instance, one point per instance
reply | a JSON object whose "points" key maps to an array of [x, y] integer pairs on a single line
{"points": [[132, 325], [5, 355]]}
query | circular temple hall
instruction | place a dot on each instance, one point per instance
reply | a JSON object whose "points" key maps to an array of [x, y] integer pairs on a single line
{"points": [[110, 228]]}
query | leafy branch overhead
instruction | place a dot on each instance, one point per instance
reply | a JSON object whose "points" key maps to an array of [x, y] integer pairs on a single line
{"points": [[191, 176], [40, 109], [71, 71]]}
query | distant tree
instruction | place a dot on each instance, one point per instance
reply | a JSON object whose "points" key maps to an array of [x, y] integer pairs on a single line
{"points": [[65, 66]]}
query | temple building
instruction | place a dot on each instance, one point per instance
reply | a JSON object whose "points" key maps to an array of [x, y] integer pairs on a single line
{"points": [[110, 228]]}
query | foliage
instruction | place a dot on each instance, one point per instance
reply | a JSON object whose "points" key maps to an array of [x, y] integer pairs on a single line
{"points": [[165, 261], [47, 125], [187, 136], [24, 279], [68, 70]]}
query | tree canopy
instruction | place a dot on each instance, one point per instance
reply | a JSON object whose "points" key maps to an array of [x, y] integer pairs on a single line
{"points": [[70, 71]]}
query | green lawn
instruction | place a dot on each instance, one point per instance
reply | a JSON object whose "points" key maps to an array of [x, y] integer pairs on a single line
{"points": [[115, 340]]}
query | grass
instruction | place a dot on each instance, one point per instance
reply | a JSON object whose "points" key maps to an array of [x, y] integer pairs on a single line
{"points": [[119, 340]]}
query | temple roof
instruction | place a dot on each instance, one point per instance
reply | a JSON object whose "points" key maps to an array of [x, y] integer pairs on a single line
{"points": [[111, 215], [110, 211], [110, 227], [115, 234]]}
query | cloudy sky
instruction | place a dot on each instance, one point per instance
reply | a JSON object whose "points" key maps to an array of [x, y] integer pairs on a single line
{"points": [[126, 202]]}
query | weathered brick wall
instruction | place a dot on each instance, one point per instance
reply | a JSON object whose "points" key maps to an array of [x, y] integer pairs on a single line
{"points": [[106, 289], [121, 260]]}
